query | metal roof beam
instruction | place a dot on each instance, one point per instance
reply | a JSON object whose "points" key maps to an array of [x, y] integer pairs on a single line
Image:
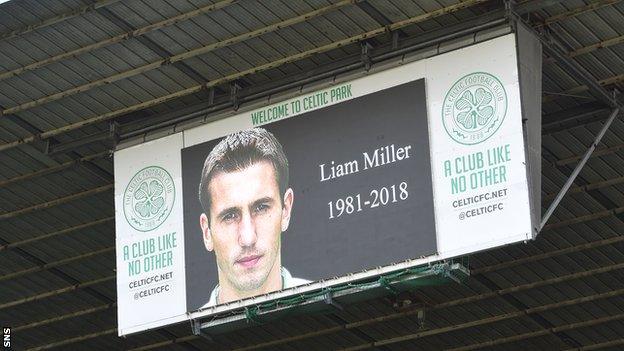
{"points": [[46, 266], [576, 112], [599, 152], [599, 45], [591, 48], [582, 88], [73, 340], [153, 46], [238, 75], [46, 321], [56, 19], [378, 17], [574, 117], [535, 5], [588, 187], [166, 343], [550, 254], [55, 202], [118, 38], [175, 58], [577, 11], [54, 169], [586, 218], [56, 292], [599, 346], [56, 233]]}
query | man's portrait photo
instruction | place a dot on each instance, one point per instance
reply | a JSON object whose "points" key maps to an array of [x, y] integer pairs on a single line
{"points": [[274, 207], [247, 206]]}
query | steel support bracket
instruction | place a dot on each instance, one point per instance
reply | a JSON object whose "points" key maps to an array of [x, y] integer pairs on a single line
{"points": [[46, 146], [421, 319], [329, 300], [113, 129], [577, 169], [366, 55], [395, 39], [211, 96], [197, 330], [234, 98], [510, 13]]}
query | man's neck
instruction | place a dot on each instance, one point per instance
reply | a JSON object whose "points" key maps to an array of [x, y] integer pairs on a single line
{"points": [[228, 293]]}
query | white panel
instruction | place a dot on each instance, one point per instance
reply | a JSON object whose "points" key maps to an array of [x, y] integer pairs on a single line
{"points": [[149, 234]]}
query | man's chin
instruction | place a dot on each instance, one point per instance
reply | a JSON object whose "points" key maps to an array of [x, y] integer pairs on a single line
{"points": [[249, 279], [249, 284]]}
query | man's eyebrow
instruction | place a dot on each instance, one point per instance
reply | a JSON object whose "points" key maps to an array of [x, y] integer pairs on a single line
{"points": [[228, 210], [266, 199]]}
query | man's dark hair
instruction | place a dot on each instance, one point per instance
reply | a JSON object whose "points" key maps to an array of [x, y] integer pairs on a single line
{"points": [[238, 151]]}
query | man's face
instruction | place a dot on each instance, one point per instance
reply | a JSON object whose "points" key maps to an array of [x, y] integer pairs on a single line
{"points": [[247, 217]]}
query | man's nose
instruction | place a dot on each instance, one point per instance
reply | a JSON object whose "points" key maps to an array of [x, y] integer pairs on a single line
{"points": [[247, 231]]}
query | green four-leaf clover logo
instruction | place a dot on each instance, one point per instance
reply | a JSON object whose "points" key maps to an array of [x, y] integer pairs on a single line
{"points": [[148, 199], [474, 108]]}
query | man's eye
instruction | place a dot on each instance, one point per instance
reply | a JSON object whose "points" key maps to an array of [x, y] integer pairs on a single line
{"points": [[261, 208], [229, 217]]}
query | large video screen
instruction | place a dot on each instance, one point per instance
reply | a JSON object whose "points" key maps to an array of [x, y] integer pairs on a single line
{"points": [[331, 192]]}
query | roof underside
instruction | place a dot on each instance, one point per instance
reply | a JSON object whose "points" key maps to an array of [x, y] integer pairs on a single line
{"points": [[76, 75]]}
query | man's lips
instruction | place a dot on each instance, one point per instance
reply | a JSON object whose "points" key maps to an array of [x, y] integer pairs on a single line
{"points": [[249, 261]]}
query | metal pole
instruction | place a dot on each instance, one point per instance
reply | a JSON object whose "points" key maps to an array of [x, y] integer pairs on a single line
{"points": [[577, 170]]}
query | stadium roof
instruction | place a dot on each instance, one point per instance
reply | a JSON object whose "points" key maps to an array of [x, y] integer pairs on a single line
{"points": [[79, 76]]}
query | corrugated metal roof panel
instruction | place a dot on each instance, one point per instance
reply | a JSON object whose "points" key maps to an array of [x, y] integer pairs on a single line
{"points": [[565, 142]]}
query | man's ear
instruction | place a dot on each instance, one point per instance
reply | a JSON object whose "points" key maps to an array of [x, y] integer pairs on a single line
{"points": [[287, 208], [205, 226]]}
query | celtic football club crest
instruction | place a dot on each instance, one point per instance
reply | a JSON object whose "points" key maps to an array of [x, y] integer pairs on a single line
{"points": [[148, 198], [474, 108]]}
